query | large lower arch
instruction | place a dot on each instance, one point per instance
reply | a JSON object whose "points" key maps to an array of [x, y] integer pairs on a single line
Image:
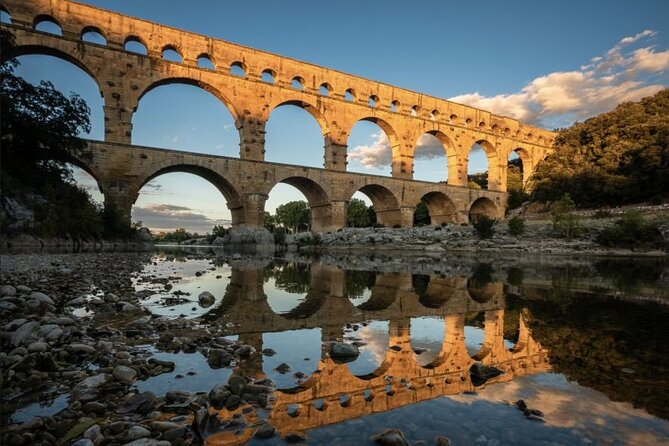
{"points": [[318, 200], [385, 202], [229, 192], [482, 206], [441, 208]]}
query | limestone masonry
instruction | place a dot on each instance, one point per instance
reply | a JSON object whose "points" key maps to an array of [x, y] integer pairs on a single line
{"points": [[336, 100]]}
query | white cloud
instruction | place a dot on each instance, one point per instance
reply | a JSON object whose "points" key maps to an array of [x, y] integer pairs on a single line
{"points": [[376, 154], [558, 98]]}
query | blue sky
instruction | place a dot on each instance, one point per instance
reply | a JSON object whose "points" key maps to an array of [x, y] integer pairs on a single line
{"points": [[548, 63]]}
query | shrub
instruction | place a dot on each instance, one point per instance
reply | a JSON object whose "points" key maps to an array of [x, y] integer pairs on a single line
{"points": [[564, 219], [280, 236], [516, 225], [631, 231], [485, 226]]}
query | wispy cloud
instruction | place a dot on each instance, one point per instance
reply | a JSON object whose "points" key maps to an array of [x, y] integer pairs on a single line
{"points": [[622, 74], [167, 217]]}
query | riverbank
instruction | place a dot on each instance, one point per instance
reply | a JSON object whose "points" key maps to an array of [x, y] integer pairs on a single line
{"points": [[539, 237]]}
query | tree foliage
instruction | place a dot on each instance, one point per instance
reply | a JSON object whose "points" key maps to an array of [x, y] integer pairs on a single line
{"points": [[358, 215], [294, 215], [615, 158], [421, 216], [40, 128]]}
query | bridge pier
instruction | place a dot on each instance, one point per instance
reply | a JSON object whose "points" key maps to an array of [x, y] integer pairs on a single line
{"points": [[118, 195], [251, 214], [251, 138], [335, 156], [118, 124]]}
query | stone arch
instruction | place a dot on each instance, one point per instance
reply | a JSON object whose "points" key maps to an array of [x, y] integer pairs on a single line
{"points": [[204, 60], [494, 174], [136, 39], [317, 198], [433, 291], [195, 83], [93, 29], [526, 160], [441, 208], [313, 111], [41, 18], [27, 50], [3, 9], [312, 302], [386, 204], [482, 206], [388, 129], [453, 162], [228, 190]]}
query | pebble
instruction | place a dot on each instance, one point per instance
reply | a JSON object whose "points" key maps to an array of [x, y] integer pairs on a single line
{"points": [[38, 347], [42, 298], [137, 432]]}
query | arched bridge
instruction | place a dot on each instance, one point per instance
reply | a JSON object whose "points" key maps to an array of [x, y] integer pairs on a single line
{"points": [[251, 83]]}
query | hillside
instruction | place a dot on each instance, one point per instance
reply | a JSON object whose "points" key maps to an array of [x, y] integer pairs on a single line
{"points": [[616, 158]]}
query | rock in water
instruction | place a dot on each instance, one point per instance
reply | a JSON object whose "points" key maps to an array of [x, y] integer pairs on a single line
{"points": [[391, 437], [206, 299], [481, 373], [342, 352]]}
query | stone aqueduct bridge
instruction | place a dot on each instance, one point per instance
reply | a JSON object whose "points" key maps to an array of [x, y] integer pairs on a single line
{"points": [[336, 100]]}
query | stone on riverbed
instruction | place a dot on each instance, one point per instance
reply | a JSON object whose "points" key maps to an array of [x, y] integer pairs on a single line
{"points": [[7, 290], [206, 299], [25, 334], [391, 437], [218, 358], [42, 298], [124, 374], [342, 352]]}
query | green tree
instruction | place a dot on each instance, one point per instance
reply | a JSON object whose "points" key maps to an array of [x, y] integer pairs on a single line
{"points": [[268, 221], [564, 218], [294, 215], [478, 180], [40, 127], [39, 136], [421, 216], [357, 215]]}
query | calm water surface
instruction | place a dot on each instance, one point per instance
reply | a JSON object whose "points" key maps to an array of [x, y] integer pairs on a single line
{"points": [[585, 342]]}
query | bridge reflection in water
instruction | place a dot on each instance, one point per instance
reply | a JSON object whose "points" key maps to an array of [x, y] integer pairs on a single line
{"points": [[333, 393]]}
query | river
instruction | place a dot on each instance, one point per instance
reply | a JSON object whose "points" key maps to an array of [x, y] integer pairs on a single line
{"points": [[533, 350]]}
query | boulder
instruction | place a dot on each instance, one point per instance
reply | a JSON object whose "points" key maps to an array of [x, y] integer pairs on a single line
{"points": [[342, 352]]}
